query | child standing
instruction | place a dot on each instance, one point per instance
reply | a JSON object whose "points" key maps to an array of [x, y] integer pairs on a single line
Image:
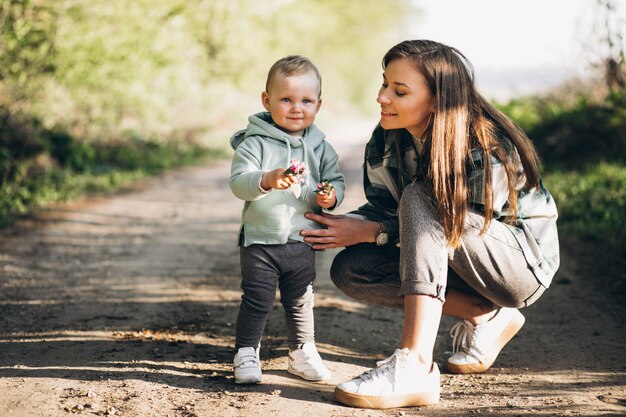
{"points": [[271, 248]]}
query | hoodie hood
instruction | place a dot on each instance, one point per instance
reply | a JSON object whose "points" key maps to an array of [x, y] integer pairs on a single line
{"points": [[261, 124], [277, 216]]}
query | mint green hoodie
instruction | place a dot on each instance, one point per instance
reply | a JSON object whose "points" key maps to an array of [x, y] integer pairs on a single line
{"points": [[278, 215]]}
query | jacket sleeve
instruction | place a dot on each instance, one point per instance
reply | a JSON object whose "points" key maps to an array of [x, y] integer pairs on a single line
{"points": [[381, 204], [246, 173], [499, 184], [329, 171]]}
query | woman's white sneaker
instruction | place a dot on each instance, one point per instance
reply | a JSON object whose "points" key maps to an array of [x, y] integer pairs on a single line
{"points": [[395, 382], [247, 366], [306, 363], [476, 347]]}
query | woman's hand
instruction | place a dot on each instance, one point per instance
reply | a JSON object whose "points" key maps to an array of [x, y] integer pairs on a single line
{"points": [[340, 231]]}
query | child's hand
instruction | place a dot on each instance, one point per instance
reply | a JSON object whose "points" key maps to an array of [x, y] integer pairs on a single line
{"points": [[296, 169], [326, 200], [277, 179]]}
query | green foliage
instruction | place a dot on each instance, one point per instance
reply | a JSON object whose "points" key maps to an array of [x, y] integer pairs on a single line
{"points": [[95, 93], [26, 192], [122, 66], [345, 39], [573, 135], [39, 166], [582, 144], [100, 68], [27, 32], [592, 202]]}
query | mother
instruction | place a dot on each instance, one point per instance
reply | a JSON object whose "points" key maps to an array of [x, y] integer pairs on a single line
{"points": [[457, 222]]}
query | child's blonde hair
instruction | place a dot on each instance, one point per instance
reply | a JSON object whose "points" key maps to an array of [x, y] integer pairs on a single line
{"points": [[292, 65]]}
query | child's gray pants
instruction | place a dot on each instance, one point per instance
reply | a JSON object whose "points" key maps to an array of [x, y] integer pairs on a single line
{"points": [[290, 266], [491, 265]]}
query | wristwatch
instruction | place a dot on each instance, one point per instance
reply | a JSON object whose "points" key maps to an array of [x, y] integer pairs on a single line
{"points": [[381, 236]]}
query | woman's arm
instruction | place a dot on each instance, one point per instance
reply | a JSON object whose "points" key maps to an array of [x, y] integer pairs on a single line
{"points": [[340, 231], [381, 206], [364, 223]]}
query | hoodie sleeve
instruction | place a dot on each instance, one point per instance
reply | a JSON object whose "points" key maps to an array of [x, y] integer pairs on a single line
{"points": [[246, 172], [329, 171]]}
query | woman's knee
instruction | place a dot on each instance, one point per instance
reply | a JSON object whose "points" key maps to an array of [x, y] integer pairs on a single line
{"points": [[418, 216], [511, 301], [417, 198], [521, 300]]}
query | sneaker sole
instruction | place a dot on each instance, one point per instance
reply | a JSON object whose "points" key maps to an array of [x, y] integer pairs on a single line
{"points": [[293, 371], [389, 401], [505, 337], [248, 380]]}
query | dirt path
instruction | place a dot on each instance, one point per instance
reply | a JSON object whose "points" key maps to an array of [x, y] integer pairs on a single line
{"points": [[125, 306]]}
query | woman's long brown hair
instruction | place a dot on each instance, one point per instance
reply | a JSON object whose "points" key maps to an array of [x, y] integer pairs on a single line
{"points": [[463, 120]]}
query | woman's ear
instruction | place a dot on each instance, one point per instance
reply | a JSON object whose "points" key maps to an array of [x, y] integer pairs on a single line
{"points": [[265, 99]]}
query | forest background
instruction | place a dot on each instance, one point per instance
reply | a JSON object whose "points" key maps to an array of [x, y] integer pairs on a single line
{"points": [[95, 95]]}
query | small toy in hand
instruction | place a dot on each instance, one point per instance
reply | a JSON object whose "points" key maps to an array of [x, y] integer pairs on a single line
{"points": [[324, 187], [296, 169]]}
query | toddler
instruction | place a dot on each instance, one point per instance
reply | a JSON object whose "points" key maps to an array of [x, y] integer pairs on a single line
{"points": [[282, 168]]}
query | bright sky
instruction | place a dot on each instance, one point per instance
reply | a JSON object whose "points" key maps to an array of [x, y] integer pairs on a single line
{"points": [[516, 46]]}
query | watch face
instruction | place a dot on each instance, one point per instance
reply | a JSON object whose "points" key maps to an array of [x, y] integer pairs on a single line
{"points": [[382, 239]]}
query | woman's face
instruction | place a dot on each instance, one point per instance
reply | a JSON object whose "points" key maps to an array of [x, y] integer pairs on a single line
{"points": [[405, 99]]}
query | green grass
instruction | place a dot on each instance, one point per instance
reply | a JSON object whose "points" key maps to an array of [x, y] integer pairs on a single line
{"points": [[592, 202], [95, 169], [570, 135], [582, 144]]}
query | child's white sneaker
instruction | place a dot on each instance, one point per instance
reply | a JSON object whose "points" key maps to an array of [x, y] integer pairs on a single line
{"points": [[306, 363], [247, 366]]}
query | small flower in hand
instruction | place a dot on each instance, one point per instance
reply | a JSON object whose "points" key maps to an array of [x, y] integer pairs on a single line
{"points": [[324, 187], [325, 197], [296, 169]]}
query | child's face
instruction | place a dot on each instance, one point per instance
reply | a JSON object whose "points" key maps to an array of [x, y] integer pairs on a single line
{"points": [[293, 101]]}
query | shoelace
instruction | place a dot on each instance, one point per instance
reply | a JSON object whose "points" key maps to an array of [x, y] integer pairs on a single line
{"points": [[461, 334], [383, 368], [464, 334]]}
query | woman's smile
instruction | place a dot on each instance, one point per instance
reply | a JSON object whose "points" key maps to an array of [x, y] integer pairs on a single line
{"points": [[384, 113]]}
